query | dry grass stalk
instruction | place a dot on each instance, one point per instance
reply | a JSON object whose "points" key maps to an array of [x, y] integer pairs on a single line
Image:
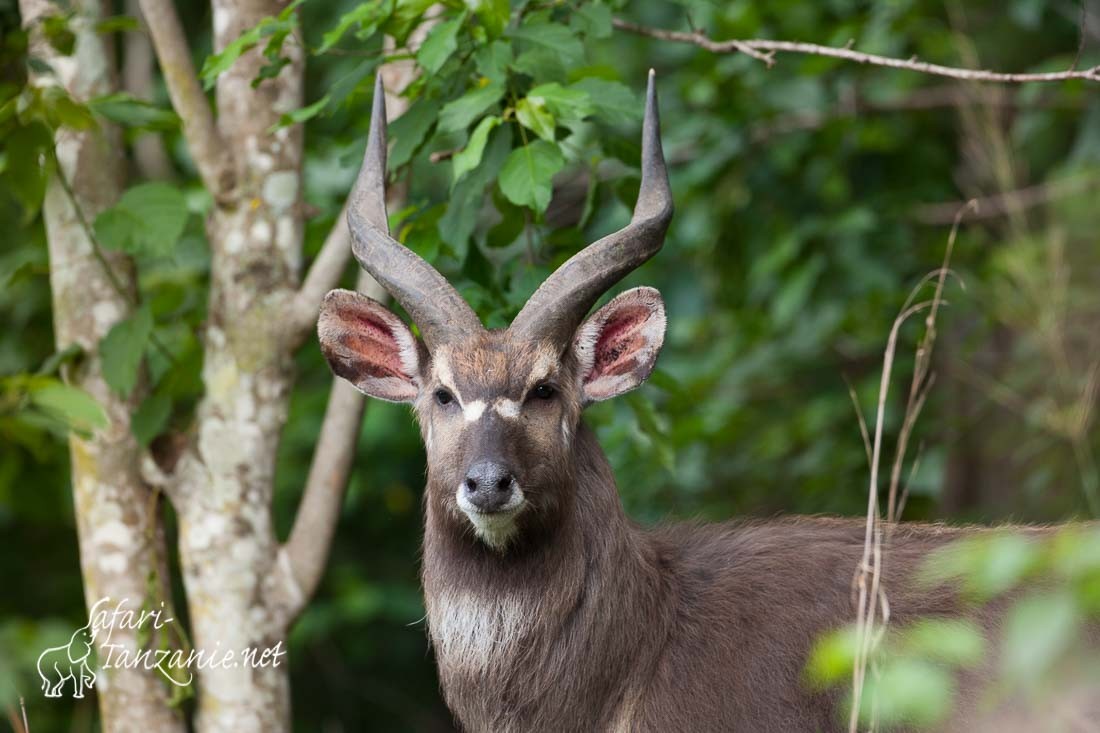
{"points": [[873, 608]]}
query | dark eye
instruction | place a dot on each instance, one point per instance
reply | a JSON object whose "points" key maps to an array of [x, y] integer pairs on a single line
{"points": [[543, 392], [443, 397]]}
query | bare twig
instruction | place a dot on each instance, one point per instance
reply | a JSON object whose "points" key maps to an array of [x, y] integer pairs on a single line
{"points": [[765, 50], [925, 98], [212, 157], [922, 377], [150, 156], [1001, 204], [306, 551], [869, 570], [441, 155], [872, 600], [315, 522], [323, 276], [862, 422]]}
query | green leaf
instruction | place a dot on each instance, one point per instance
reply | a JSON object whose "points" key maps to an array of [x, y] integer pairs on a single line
{"points": [[302, 114], [566, 103], [61, 109], [908, 691], [69, 354], [533, 115], [493, 60], [126, 109], [441, 42], [277, 27], [121, 350], [55, 29], [833, 656], [593, 20], [409, 130], [458, 115], [366, 15], [954, 641], [528, 173], [469, 157], [148, 219], [217, 64], [422, 234], [550, 49], [796, 291], [74, 407], [406, 16], [28, 152], [1039, 631], [459, 220], [493, 14], [611, 101], [118, 24], [150, 418], [116, 228]]}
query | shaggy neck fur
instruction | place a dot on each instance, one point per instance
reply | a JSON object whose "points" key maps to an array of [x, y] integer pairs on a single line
{"points": [[555, 628]]}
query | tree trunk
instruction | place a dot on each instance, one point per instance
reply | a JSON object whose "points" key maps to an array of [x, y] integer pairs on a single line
{"points": [[228, 547], [118, 525]]}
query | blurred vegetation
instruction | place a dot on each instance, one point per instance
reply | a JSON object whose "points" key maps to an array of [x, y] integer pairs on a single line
{"points": [[811, 197], [1047, 586]]}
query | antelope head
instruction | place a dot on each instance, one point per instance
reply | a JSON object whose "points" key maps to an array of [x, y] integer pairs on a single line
{"points": [[499, 409]]}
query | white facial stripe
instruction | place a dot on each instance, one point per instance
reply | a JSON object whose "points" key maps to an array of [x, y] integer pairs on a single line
{"points": [[544, 365], [507, 408], [443, 369], [473, 410]]}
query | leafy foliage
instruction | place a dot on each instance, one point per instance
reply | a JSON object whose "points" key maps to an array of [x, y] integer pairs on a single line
{"points": [[915, 671], [800, 194], [147, 220]]}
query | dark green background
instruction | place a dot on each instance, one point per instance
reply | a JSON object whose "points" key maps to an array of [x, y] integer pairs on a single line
{"points": [[802, 224]]}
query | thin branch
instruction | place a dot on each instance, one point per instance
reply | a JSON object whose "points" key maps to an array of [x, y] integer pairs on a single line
{"points": [[212, 157], [301, 560], [926, 98], [323, 276], [1006, 202], [307, 547], [765, 50], [151, 159]]}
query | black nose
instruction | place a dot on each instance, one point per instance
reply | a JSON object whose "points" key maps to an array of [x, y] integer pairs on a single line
{"points": [[488, 485]]}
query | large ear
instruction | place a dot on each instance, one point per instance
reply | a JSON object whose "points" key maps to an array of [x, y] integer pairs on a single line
{"points": [[369, 346], [617, 346]]}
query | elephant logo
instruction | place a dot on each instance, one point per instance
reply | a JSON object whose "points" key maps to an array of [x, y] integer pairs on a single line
{"points": [[59, 664]]}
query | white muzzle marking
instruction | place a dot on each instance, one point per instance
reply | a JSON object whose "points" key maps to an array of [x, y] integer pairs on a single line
{"points": [[493, 528]]}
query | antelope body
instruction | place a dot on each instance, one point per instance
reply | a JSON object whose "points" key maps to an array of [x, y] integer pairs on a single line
{"points": [[548, 609]]}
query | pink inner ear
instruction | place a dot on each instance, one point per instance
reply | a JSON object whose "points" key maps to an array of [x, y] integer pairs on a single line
{"points": [[619, 342], [372, 340]]}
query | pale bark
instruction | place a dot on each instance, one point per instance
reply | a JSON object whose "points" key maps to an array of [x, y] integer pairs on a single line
{"points": [[211, 156], [119, 530], [243, 589], [224, 494]]}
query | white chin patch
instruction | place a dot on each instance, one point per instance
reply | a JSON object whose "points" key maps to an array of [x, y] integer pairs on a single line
{"points": [[497, 528]]}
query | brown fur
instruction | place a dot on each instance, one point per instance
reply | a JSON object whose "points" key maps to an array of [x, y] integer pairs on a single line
{"points": [[584, 621], [682, 628]]}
